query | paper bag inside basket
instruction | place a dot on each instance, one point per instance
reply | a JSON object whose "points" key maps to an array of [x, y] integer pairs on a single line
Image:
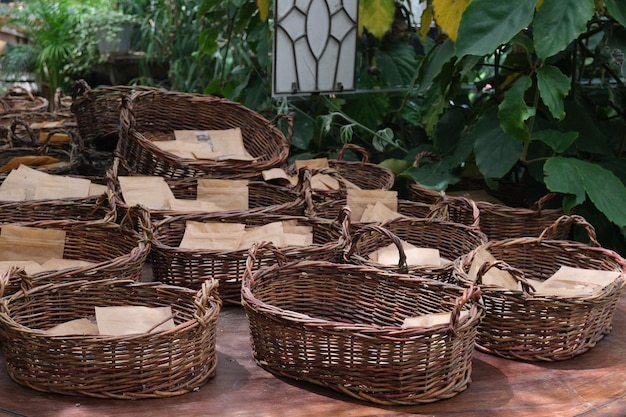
{"points": [[378, 213], [183, 205], [29, 267], [494, 276], [279, 176], [212, 235], [127, 320], [43, 161], [415, 256], [78, 327], [60, 186], [151, 192], [30, 243], [219, 144], [571, 282], [428, 320], [226, 194], [358, 200]]}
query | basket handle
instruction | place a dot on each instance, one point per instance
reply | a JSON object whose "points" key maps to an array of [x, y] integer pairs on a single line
{"points": [[538, 205], [550, 231], [517, 274], [251, 259], [127, 116], [470, 294], [290, 125], [365, 156], [19, 89], [422, 155], [80, 88], [205, 295], [402, 263], [137, 219], [441, 209], [31, 134]]}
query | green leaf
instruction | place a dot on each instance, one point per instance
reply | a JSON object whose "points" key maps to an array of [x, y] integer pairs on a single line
{"points": [[487, 24], [496, 152], [574, 176], [376, 16], [558, 22], [579, 119], [558, 141], [395, 165], [304, 129], [617, 9], [397, 64], [369, 109], [553, 87], [433, 63], [513, 111], [436, 175]]}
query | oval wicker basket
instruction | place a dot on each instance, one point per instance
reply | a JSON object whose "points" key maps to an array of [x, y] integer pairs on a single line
{"points": [[17, 99], [189, 267], [114, 250], [148, 365], [453, 240], [532, 327], [340, 326]]}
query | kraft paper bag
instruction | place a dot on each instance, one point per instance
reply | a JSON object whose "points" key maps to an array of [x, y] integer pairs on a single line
{"points": [[184, 150], [220, 144], [573, 282], [97, 189], [279, 176], [358, 200], [378, 213], [316, 163], [428, 320], [31, 160], [270, 232], [53, 187], [57, 264], [494, 276], [151, 192], [415, 256], [29, 267], [212, 235], [21, 181], [128, 320], [226, 194], [179, 204], [29, 243], [78, 327]]}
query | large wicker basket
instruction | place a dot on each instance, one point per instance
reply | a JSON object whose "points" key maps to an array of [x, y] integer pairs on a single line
{"points": [[453, 240], [190, 267], [151, 116], [262, 197], [17, 99], [340, 326], [148, 365], [532, 327], [114, 250]]}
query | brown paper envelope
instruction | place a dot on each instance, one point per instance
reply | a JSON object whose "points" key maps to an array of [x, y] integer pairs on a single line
{"points": [[212, 236], [152, 192], [78, 327], [24, 179], [415, 256], [494, 276], [97, 189], [428, 320], [183, 205], [29, 267], [31, 160], [60, 186], [57, 264], [571, 282], [270, 232], [127, 320], [220, 144], [184, 150], [358, 200], [226, 194], [378, 213], [55, 138], [279, 174], [316, 163], [19, 249], [35, 233]]}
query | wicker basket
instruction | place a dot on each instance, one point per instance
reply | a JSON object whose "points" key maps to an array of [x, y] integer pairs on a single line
{"points": [[262, 197], [115, 250], [453, 240], [17, 99], [363, 174], [148, 365], [97, 111], [25, 133], [151, 116], [340, 326], [190, 267], [533, 327], [62, 104]]}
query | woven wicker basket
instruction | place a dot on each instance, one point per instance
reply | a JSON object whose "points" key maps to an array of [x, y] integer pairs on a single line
{"points": [[151, 116], [533, 327], [97, 110], [17, 99], [25, 133], [115, 250], [190, 267], [262, 197], [340, 326], [148, 365], [453, 240]]}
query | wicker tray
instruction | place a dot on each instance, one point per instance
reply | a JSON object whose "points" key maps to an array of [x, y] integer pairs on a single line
{"points": [[116, 250], [190, 267], [151, 116], [532, 327], [339, 326], [453, 240], [17, 99], [262, 197], [148, 365]]}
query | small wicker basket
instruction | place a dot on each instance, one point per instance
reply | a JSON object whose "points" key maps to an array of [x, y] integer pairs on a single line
{"points": [[189, 267], [532, 327], [340, 326], [17, 99], [150, 116], [148, 365]]}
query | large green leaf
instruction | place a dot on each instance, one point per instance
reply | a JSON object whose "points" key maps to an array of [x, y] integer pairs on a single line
{"points": [[376, 16], [397, 64], [617, 9], [579, 119], [436, 175], [559, 22], [486, 24], [369, 109], [513, 111], [553, 87], [496, 152], [433, 63], [575, 176], [558, 141]]}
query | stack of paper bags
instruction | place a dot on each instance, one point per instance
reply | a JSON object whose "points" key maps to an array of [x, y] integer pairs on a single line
{"points": [[216, 145]]}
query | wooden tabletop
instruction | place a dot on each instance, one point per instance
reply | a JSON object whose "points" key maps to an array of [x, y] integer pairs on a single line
{"points": [[592, 384]]}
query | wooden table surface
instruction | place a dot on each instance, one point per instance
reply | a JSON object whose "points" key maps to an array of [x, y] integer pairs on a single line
{"points": [[592, 384]]}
